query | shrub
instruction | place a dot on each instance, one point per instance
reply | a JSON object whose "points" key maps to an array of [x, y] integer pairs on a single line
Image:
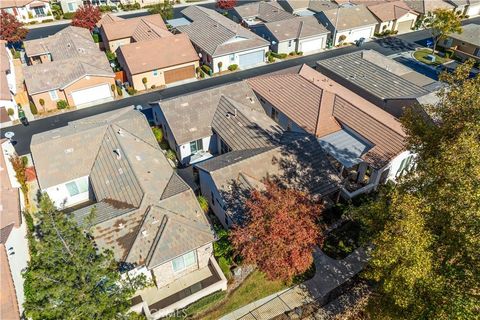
{"points": [[300, 53], [105, 8], [220, 65], [131, 91], [68, 15], [293, 53], [10, 112], [202, 74], [47, 20], [203, 203], [278, 55], [33, 22], [62, 104], [30, 15], [225, 266], [96, 37], [171, 155], [15, 54], [153, 86], [110, 55], [206, 69], [119, 91], [49, 13], [158, 133], [42, 102], [449, 53], [342, 38], [33, 108], [233, 67], [271, 59]]}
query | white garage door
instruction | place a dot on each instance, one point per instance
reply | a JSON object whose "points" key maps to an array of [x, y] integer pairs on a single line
{"points": [[360, 33], [91, 94], [250, 59], [311, 45]]}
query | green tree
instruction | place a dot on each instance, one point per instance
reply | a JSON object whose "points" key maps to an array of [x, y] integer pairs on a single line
{"points": [[67, 278], [426, 231], [165, 9], [442, 23]]}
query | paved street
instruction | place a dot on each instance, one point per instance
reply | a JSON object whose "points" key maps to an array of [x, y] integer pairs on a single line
{"points": [[387, 46]]}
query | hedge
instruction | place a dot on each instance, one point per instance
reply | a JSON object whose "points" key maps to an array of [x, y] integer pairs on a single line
{"points": [[68, 15], [206, 69], [62, 104], [233, 67]]}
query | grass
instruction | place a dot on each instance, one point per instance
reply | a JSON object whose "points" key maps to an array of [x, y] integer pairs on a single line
{"points": [[255, 287], [421, 55]]}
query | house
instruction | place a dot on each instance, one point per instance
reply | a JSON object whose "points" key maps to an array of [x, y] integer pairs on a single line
{"points": [[395, 16], [219, 40], [297, 34], [67, 66], [7, 86], [469, 8], [366, 144], [145, 213], [296, 161], [175, 59], [12, 238], [70, 5], [206, 123], [383, 81], [425, 6], [27, 11], [466, 44], [349, 23], [258, 13], [307, 7], [116, 31]]}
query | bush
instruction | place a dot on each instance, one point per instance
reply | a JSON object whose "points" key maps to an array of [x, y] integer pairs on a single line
{"points": [[293, 53], [153, 86], [62, 104], [10, 112], [233, 67], [96, 37], [130, 7], [131, 91], [300, 53], [342, 38], [225, 266], [206, 69], [47, 20], [171, 155], [449, 53], [110, 55], [119, 91], [33, 108], [68, 15], [158, 133], [278, 55], [15, 53], [105, 8], [203, 203], [202, 74], [271, 58], [220, 65]]}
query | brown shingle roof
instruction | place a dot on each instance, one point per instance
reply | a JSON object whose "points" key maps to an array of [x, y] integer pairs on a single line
{"points": [[139, 28], [17, 3], [108, 18], [169, 51], [321, 106]]}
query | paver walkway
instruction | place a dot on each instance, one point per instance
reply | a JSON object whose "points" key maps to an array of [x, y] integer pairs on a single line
{"points": [[330, 274]]}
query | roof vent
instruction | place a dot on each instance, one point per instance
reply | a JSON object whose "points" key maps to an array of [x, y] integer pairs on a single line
{"points": [[144, 233], [117, 153], [120, 132], [69, 150], [138, 158], [121, 226]]}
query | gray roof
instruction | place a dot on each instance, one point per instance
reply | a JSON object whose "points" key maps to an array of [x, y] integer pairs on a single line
{"points": [[264, 11], [470, 34], [130, 178], [350, 17], [216, 34], [74, 55], [296, 28], [191, 117], [297, 161], [362, 70], [313, 5]]}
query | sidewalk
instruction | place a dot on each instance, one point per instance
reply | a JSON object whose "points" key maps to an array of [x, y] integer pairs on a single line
{"points": [[330, 274]]}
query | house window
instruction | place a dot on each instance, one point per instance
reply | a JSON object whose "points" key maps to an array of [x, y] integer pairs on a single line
{"points": [[185, 261], [77, 187], [39, 11], [232, 57], [155, 73], [289, 43], [53, 95], [71, 6], [274, 114], [196, 146]]}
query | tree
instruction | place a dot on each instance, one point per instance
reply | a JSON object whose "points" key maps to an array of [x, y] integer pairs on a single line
{"points": [[67, 278], [86, 17], [280, 231], [426, 231], [144, 81], [12, 30], [442, 22], [165, 9], [226, 4], [220, 65]]}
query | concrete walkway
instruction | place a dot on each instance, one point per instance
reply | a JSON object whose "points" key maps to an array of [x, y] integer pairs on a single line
{"points": [[330, 274]]}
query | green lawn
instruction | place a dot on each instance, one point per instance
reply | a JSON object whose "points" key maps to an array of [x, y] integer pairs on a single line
{"points": [[255, 287], [421, 54]]}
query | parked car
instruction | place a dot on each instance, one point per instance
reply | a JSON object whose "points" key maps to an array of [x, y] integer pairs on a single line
{"points": [[22, 117], [360, 42]]}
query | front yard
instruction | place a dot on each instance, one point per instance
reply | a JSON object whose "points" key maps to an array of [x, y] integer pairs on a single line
{"points": [[422, 56]]}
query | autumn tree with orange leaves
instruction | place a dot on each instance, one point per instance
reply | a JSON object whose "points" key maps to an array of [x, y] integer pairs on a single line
{"points": [[280, 232], [86, 17]]}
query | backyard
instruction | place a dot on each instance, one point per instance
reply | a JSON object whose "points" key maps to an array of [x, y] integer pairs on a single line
{"points": [[423, 54]]}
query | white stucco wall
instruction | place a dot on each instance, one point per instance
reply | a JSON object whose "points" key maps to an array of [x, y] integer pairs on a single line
{"points": [[184, 150], [350, 34], [283, 47], [322, 42], [394, 165], [226, 61], [207, 189], [60, 196], [22, 13]]}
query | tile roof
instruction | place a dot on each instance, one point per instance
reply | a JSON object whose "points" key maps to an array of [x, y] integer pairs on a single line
{"points": [[8, 298], [134, 186], [389, 11], [424, 6], [296, 28], [74, 55], [313, 5], [169, 51], [10, 204], [108, 18], [265, 11], [191, 117], [5, 93], [321, 106], [139, 28], [350, 17], [18, 3], [374, 73], [216, 34], [470, 33]]}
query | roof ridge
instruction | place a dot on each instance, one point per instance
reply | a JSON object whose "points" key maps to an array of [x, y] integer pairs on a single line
{"points": [[157, 238]]}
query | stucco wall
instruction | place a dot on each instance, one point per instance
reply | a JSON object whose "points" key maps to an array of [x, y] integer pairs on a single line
{"points": [[184, 150], [207, 189], [84, 83], [227, 61], [164, 273], [394, 165], [112, 45], [60, 196], [49, 103]]}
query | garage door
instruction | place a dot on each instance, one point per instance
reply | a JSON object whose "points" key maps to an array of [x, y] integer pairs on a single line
{"points": [[360, 33], [311, 45], [250, 59], [91, 94], [404, 26], [179, 74]]}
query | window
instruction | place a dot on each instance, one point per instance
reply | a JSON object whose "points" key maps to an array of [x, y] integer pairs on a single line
{"points": [[77, 187], [289, 43], [185, 261], [53, 95], [196, 146], [71, 6], [155, 73], [39, 11], [274, 114], [232, 57]]}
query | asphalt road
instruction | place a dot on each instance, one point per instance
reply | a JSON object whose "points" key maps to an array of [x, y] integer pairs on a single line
{"points": [[387, 46]]}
